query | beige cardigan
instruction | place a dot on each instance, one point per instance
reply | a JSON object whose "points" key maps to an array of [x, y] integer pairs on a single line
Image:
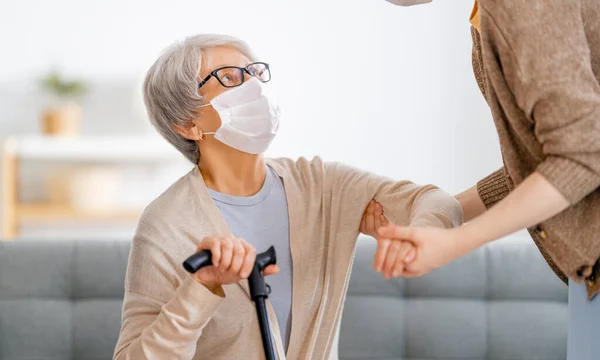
{"points": [[167, 314]]}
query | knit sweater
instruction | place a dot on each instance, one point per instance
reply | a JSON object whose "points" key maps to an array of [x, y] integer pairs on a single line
{"points": [[167, 314], [538, 66]]}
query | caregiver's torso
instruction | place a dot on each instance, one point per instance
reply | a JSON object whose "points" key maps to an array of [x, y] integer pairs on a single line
{"points": [[521, 131]]}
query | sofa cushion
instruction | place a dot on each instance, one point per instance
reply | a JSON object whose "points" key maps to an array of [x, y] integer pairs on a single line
{"points": [[500, 302], [61, 299]]}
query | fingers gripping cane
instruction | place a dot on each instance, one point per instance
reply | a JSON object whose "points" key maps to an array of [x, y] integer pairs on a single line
{"points": [[259, 290]]}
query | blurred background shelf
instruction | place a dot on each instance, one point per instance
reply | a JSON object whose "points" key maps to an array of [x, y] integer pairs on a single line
{"points": [[42, 212], [91, 148], [83, 151]]}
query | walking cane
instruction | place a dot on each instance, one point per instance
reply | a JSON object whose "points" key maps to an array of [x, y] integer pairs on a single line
{"points": [[259, 290]]}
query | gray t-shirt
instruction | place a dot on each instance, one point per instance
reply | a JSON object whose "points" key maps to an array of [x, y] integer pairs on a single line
{"points": [[262, 220]]}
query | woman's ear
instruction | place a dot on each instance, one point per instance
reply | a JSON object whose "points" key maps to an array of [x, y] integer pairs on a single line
{"points": [[191, 132]]}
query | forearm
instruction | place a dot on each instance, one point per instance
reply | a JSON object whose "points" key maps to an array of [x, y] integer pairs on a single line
{"points": [[533, 201], [471, 204]]}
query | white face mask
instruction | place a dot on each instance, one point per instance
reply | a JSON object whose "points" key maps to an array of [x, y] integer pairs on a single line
{"points": [[249, 117]]}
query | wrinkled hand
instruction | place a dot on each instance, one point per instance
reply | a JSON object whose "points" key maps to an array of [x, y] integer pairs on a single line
{"points": [[390, 255], [232, 260], [372, 219], [435, 247]]}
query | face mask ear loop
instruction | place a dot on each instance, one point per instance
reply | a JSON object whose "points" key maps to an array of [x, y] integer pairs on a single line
{"points": [[200, 137]]}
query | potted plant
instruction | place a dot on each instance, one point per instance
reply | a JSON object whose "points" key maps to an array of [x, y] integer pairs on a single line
{"points": [[64, 116]]}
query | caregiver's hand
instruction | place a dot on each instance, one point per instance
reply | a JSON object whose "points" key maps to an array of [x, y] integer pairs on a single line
{"points": [[435, 247], [531, 202], [233, 259], [392, 256]]}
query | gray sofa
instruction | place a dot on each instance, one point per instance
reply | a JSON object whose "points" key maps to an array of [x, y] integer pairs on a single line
{"points": [[62, 300]]}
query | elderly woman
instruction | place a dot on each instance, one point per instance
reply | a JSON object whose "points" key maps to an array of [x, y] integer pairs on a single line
{"points": [[207, 96]]}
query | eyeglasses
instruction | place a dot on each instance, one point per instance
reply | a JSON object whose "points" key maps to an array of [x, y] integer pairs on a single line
{"points": [[232, 76]]}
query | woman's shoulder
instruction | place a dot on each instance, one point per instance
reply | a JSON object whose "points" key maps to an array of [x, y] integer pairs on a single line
{"points": [[300, 166], [176, 196], [176, 211], [313, 170]]}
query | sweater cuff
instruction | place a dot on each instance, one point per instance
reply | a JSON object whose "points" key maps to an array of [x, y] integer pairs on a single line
{"points": [[573, 180], [493, 188]]}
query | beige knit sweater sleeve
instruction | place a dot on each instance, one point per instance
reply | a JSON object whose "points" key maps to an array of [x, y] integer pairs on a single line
{"points": [[404, 202], [162, 317]]}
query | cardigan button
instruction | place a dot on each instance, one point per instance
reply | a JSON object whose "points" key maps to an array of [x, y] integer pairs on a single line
{"points": [[541, 233], [585, 271]]}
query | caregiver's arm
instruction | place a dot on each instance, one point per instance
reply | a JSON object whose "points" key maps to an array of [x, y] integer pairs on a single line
{"points": [[533, 201]]}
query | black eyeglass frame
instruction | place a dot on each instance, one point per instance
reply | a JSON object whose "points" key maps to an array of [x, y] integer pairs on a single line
{"points": [[242, 69]]}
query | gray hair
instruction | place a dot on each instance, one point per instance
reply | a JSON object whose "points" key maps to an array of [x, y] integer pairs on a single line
{"points": [[171, 87]]}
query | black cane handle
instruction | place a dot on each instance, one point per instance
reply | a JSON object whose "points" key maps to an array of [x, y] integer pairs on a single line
{"points": [[197, 261], [204, 258]]}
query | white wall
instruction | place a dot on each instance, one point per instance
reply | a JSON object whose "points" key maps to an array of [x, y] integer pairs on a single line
{"points": [[382, 87]]}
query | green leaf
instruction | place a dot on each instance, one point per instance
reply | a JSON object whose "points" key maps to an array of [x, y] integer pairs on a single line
{"points": [[54, 83]]}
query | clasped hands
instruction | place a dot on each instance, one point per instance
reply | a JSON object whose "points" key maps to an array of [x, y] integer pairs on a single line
{"points": [[410, 251]]}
